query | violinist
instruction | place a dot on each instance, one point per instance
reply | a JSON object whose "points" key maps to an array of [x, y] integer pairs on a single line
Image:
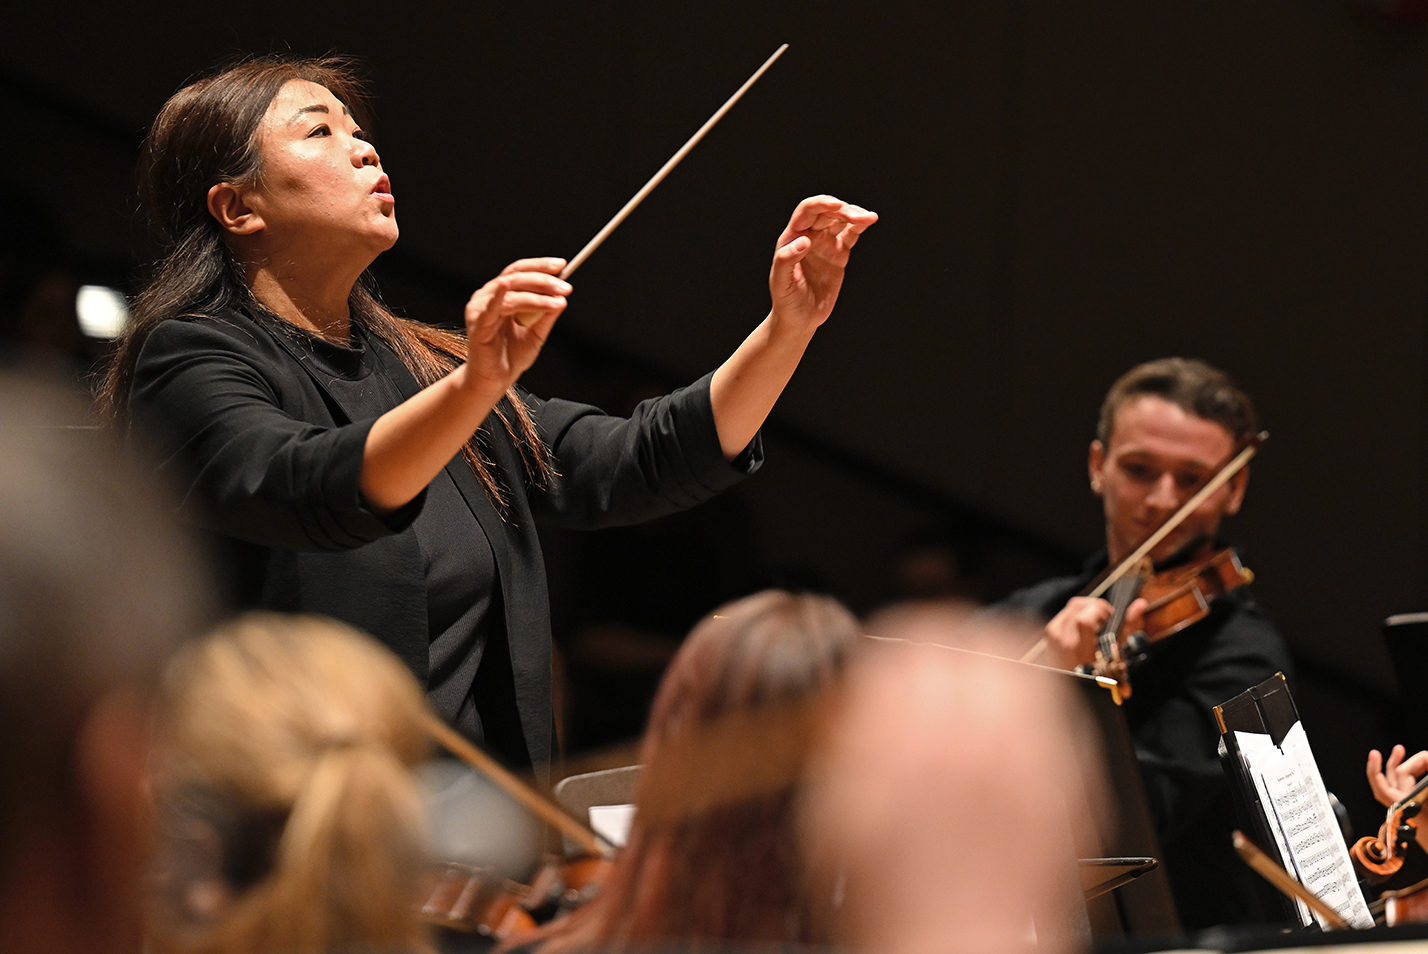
{"points": [[379, 470], [1165, 428]]}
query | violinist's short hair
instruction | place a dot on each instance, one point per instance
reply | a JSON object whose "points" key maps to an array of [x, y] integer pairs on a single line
{"points": [[1203, 390]]}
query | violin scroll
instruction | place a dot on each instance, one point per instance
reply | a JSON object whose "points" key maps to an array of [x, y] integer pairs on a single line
{"points": [[1381, 856]]}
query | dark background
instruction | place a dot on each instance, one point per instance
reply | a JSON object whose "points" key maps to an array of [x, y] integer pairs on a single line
{"points": [[1065, 190]]}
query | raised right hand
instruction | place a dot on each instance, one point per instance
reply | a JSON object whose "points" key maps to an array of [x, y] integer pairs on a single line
{"points": [[499, 348]]}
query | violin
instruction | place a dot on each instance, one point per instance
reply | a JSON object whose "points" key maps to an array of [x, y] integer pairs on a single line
{"points": [[1181, 595], [1178, 596], [1381, 856], [476, 900]]}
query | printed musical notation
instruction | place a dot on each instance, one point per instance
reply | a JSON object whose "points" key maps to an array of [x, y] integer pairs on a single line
{"points": [[1297, 805]]}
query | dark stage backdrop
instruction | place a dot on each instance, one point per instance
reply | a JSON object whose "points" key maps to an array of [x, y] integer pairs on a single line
{"points": [[1066, 189]]}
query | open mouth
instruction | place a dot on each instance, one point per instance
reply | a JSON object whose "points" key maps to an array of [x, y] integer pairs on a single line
{"points": [[383, 188]]}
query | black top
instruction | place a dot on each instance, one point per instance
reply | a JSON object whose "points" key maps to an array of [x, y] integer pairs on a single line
{"points": [[460, 569], [1172, 723], [266, 448]]}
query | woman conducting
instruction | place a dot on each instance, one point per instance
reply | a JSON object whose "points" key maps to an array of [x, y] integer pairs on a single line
{"points": [[378, 470]]}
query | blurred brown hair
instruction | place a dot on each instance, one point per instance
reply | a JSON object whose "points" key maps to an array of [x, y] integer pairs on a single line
{"points": [[713, 855]]}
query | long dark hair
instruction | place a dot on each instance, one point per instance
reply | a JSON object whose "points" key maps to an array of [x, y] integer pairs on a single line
{"points": [[713, 854], [207, 134]]}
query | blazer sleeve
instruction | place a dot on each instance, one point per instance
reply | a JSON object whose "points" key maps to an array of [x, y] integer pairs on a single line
{"points": [[611, 471], [249, 442]]}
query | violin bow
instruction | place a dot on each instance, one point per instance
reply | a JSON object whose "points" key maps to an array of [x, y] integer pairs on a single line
{"points": [[456, 743], [1281, 879], [1233, 466], [529, 318]]}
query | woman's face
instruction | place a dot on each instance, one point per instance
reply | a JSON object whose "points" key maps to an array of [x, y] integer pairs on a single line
{"points": [[321, 181]]}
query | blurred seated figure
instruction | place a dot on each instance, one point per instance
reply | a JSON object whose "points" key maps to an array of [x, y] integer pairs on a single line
{"points": [[290, 818], [948, 793], [712, 857], [96, 590]]}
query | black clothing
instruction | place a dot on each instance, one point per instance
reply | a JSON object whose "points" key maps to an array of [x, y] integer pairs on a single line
{"points": [[264, 428], [460, 569], [1172, 723]]}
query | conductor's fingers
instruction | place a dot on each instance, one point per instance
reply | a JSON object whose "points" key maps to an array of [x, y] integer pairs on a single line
{"points": [[792, 251], [521, 301], [550, 266], [808, 211], [841, 217], [542, 283], [484, 308]]}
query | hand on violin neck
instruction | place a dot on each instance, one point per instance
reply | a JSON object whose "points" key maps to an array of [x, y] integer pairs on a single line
{"points": [[1072, 634], [1392, 781]]}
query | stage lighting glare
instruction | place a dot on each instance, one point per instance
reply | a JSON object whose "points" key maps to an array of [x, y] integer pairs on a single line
{"points": [[103, 312]]}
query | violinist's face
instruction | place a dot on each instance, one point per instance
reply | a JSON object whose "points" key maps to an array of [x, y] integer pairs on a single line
{"points": [[321, 187], [1157, 456]]}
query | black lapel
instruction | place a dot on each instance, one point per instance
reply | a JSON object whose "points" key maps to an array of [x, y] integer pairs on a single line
{"points": [[458, 470]]}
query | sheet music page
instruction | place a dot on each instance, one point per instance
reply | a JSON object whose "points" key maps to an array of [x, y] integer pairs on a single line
{"points": [[612, 822], [1255, 749], [1292, 792]]}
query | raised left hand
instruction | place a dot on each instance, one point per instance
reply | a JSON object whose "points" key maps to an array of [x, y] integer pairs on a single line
{"points": [[810, 258], [1391, 781]]}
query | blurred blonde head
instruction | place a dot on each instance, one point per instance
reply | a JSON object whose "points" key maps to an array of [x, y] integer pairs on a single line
{"points": [[954, 793], [292, 821]]}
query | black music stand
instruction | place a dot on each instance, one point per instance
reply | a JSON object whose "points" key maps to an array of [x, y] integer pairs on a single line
{"points": [[1265, 709], [1102, 875]]}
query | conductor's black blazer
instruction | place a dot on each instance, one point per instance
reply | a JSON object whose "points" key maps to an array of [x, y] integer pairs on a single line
{"points": [[267, 458]]}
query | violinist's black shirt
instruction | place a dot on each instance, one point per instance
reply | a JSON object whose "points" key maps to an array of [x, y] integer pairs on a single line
{"points": [[1172, 723]]}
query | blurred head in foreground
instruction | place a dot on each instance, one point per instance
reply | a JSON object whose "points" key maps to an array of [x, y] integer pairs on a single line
{"points": [[290, 818], [943, 772], [97, 587], [712, 856]]}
